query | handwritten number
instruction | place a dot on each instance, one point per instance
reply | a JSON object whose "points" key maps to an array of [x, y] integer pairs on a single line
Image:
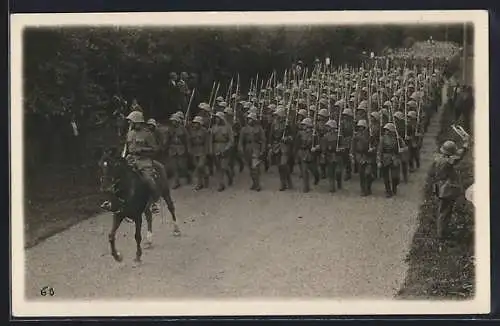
{"points": [[47, 291]]}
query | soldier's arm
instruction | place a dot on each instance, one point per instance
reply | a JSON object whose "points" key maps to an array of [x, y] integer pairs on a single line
{"points": [[264, 140], [208, 142], [240, 141], [151, 144]]}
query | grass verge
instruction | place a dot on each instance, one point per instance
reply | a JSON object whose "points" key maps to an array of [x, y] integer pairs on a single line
{"points": [[446, 272]]}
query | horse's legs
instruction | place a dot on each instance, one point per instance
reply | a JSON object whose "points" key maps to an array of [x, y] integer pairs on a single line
{"points": [[149, 221], [171, 208], [138, 238], [117, 220]]}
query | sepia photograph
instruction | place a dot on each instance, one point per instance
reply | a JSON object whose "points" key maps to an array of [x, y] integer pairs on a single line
{"points": [[244, 163]]}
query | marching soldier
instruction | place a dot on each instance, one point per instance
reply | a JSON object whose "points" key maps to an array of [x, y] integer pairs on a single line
{"points": [[399, 121], [362, 151], [323, 117], [178, 147], [329, 152], [222, 140], [414, 141], [307, 145], [280, 148], [388, 160], [235, 125], [252, 145], [346, 131], [200, 146]]}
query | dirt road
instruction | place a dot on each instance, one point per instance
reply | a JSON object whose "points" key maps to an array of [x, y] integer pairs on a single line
{"points": [[242, 243]]}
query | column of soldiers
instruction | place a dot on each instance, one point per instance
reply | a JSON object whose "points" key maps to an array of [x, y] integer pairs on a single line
{"points": [[330, 123]]}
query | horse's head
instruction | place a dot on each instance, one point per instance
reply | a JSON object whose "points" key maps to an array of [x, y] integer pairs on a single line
{"points": [[110, 166]]}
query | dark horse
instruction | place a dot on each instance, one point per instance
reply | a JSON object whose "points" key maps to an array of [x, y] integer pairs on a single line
{"points": [[128, 187]]}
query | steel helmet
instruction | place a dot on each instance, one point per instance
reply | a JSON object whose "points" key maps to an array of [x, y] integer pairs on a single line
{"points": [[412, 114], [348, 112], [302, 112], [332, 124], [219, 99], [253, 110], [180, 114], [136, 116], [252, 116], [175, 117], [365, 89], [387, 103], [280, 107], [375, 115], [448, 148], [246, 105], [352, 99], [323, 101], [198, 119], [152, 122], [390, 126], [223, 104], [412, 104], [339, 103], [220, 115], [375, 96], [312, 107], [307, 122], [228, 110], [280, 112], [271, 106], [323, 113], [362, 123], [414, 96], [399, 115]]}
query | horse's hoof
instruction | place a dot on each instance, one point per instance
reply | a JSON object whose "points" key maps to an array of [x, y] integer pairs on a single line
{"points": [[118, 257]]}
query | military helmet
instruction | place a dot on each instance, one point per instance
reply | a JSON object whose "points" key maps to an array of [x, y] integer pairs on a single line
{"points": [[390, 126], [448, 148], [219, 99], [136, 116], [198, 119], [223, 104], [339, 103], [412, 114], [399, 115], [180, 114], [332, 124], [253, 110], [323, 113], [271, 106], [247, 105], [323, 101], [175, 117], [375, 115], [312, 107], [302, 112], [220, 115], [252, 116], [228, 110], [387, 103], [152, 122], [412, 104], [348, 112], [362, 123], [280, 112], [307, 122]]}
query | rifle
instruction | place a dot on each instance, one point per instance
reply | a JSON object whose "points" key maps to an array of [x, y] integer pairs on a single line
{"points": [[228, 93], [186, 116], [211, 93], [235, 101], [212, 107]]}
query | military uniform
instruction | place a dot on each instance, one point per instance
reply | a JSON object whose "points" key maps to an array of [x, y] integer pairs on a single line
{"points": [[178, 148], [222, 140], [388, 160], [405, 157], [447, 186], [362, 155], [346, 131], [252, 144], [200, 146], [305, 153], [280, 150], [330, 155]]}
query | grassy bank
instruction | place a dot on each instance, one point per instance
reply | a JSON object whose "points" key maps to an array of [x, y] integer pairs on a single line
{"points": [[57, 199], [446, 272]]}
